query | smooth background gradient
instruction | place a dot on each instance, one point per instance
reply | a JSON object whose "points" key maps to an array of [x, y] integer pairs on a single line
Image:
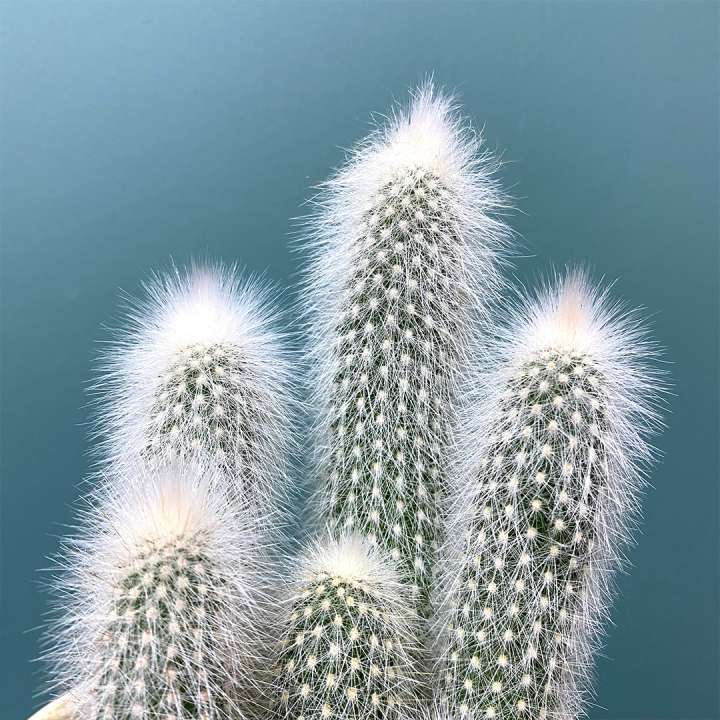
{"points": [[136, 131]]}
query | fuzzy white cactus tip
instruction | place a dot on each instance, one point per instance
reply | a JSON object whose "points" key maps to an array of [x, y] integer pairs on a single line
{"points": [[201, 374]]}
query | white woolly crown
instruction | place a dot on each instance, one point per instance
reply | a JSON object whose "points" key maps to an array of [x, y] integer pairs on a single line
{"points": [[207, 307], [178, 501], [570, 314], [428, 134], [350, 557]]}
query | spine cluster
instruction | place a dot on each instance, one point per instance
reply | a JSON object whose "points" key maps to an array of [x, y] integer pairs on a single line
{"points": [[406, 249], [351, 643], [553, 491], [161, 603]]}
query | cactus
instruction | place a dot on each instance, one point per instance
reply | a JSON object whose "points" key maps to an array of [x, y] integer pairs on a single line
{"points": [[406, 246], [160, 603], [350, 647], [201, 375], [553, 490]]}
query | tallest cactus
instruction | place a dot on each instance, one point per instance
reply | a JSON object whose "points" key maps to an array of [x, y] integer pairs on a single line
{"points": [[406, 250]]}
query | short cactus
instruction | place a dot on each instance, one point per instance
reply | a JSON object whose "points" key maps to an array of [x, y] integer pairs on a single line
{"points": [[556, 446], [406, 246], [349, 651], [160, 604], [201, 375]]}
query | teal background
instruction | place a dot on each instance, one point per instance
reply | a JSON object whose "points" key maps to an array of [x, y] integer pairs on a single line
{"points": [[135, 131]]}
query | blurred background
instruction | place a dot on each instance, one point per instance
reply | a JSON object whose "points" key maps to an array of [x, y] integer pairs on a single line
{"points": [[132, 132]]}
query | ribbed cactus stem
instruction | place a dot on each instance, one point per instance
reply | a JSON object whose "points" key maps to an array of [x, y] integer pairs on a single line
{"points": [[405, 247], [200, 375], [161, 597], [350, 649], [554, 488]]}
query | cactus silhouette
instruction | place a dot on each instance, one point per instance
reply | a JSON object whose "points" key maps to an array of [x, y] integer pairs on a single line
{"points": [[350, 647], [553, 487], [160, 603], [406, 247], [201, 375]]}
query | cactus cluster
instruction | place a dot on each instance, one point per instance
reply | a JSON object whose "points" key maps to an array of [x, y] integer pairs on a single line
{"points": [[350, 649], [405, 260], [551, 494], [478, 471], [162, 591]]}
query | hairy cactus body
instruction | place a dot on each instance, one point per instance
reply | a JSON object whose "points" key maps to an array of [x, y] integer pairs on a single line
{"points": [[554, 487], [200, 376], [350, 646], [405, 248], [160, 614]]}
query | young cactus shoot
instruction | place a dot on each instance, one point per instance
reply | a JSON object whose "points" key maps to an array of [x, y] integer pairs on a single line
{"points": [[350, 651]]}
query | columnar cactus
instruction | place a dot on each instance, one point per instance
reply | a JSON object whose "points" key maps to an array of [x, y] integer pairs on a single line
{"points": [[350, 646], [406, 246], [200, 375], [552, 457], [160, 604]]}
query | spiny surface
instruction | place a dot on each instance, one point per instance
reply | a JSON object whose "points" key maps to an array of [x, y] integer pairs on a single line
{"points": [[160, 658], [349, 651], [396, 357], [531, 541], [406, 252], [204, 403]]}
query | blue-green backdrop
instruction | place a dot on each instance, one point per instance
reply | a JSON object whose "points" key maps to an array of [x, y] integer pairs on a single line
{"points": [[133, 131]]}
